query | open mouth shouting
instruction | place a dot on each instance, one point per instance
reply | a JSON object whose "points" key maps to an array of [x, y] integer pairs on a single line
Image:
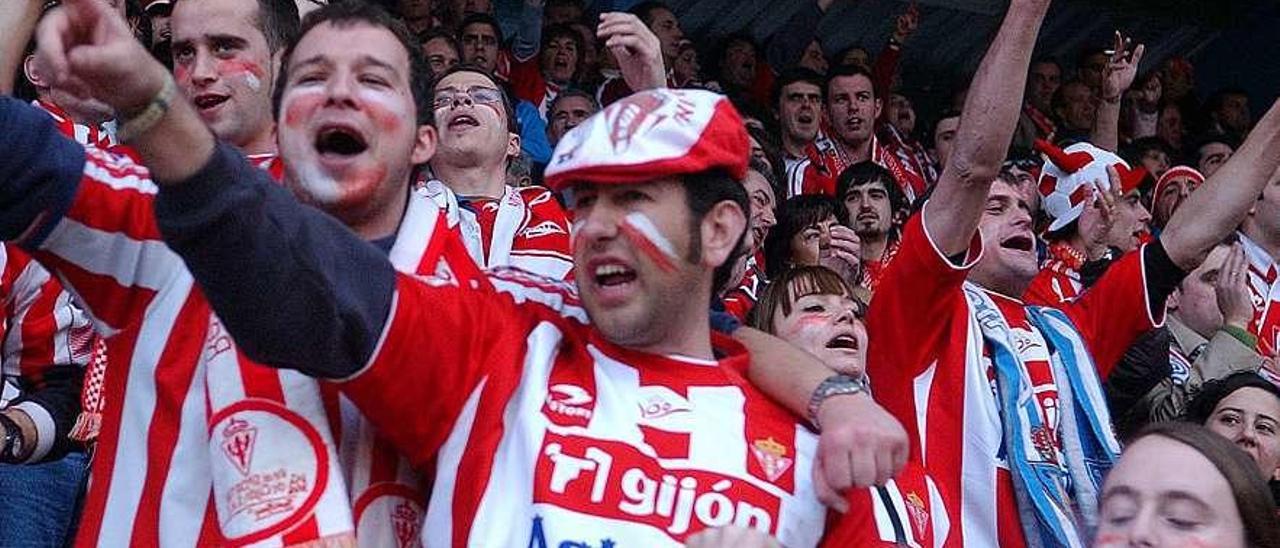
{"points": [[1019, 242], [206, 103], [612, 280], [339, 142], [844, 341]]}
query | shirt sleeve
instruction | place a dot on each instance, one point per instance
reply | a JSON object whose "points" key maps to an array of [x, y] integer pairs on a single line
{"points": [[294, 287], [1128, 300], [48, 343], [85, 214], [909, 313]]}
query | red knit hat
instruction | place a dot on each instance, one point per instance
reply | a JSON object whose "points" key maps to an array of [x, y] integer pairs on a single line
{"points": [[653, 134], [1174, 173]]}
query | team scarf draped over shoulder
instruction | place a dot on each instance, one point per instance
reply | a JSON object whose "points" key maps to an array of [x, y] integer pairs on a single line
{"points": [[1047, 510]]}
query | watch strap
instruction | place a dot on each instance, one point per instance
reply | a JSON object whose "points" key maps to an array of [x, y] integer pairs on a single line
{"points": [[835, 385]]}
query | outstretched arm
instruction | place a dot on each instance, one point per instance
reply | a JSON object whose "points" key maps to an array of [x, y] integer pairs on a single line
{"points": [[986, 126], [861, 443], [1223, 201]]}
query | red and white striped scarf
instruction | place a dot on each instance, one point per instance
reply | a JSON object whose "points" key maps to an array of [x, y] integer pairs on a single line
{"points": [[1265, 291]]}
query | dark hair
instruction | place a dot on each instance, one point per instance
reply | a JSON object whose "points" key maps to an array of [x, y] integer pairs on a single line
{"points": [[793, 283], [564, 30], [346, 14], [482, 18], [797, 74], [278, 20], [702, 192], [443, 34], [933, 130], [1044, 60], [1252, 496], [508, 103], [794, 215], [1134, 152], [644, 10], [722, 48], [1212, 138], [844, 71], [867, 172], [568, 92], [1213, 392]]}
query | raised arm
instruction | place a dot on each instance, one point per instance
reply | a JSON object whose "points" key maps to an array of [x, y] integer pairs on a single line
{"points": [[1121, 69], [1223, 201], [987, 122]]}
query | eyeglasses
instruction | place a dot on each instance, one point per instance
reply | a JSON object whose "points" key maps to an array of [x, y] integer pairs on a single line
{"points": [[480, 95]]}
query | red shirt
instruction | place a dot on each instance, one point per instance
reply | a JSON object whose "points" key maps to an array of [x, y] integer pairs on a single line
{"points": [[930, 369]]}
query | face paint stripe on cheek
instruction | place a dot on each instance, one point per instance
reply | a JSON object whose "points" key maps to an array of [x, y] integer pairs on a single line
{"points": [[638, 228]]}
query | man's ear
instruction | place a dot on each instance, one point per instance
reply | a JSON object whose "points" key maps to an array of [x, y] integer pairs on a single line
{"points": [[513, 145], [32, 73], [721, 229], [273, 70], [424, 146], [1174, 299], [879, 104]]}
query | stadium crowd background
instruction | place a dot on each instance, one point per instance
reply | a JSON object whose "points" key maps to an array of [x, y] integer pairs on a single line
{"points": [[841, 159]]}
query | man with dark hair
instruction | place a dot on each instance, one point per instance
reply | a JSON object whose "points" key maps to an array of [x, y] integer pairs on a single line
{"points": [[1090, 66], [1075, 107], [877, 209], [566, 12], [798, 99], [440, 47], [540, 77], [944, 136], [178, 438], [852, 108], [1212, 151], [1005, 399], [1036, 121], [570, 108], [501, 225], [481, 38]]}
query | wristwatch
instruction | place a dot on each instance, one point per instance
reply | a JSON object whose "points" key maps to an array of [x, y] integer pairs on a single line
{"points": [[835, 385], [13, 441]]}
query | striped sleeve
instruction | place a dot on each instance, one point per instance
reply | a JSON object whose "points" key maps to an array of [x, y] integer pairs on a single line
{"points": [[46, 347], [84, 213], [107, 247]]}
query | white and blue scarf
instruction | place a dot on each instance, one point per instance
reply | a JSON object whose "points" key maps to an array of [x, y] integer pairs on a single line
{"points": [[1055, 509]]}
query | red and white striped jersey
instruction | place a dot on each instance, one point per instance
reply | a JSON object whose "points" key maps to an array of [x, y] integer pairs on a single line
{"points": [[906, 511], [41, 328], [544, 433], [102, 136], [817, 173], [526, 228], [1055, 284], [190, 426], [936, 377], [1264, 288]]}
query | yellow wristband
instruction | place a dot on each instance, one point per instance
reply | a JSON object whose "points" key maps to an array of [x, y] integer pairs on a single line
{"points": [[137, 124]]}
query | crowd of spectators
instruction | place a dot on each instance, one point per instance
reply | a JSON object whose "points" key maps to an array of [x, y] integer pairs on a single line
{"points": [[1106, 151]]}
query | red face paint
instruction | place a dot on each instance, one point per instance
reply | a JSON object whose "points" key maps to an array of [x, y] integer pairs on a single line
{"points": [[239, 66], [645, 236], [300, 109]]}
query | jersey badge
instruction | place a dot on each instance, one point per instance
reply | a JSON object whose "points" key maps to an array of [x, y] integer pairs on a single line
{"points": [[772, 457]]}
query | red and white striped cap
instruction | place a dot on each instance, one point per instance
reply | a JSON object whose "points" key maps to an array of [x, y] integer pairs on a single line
{"points": [[652, 134], [1068, 172], [1174, 173]]}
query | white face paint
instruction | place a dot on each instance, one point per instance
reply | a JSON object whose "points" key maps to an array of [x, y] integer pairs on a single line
{"points": [[312, 184], [252, 81]]}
